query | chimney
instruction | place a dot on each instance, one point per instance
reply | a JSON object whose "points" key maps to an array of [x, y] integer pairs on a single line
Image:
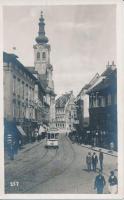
{"points": [[108, 65], [113, 65]]}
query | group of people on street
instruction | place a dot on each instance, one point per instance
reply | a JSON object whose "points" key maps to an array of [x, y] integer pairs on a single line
{"points": [[99, 184], [92, 161]]}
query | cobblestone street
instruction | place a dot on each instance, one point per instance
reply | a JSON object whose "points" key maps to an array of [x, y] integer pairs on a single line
{"points": [[39, 170]]}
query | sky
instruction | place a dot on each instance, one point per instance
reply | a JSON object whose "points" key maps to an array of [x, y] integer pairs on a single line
{"points": [[82, 39]]}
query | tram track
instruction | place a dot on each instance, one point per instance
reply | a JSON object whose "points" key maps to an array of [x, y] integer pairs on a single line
{"points": [[19, 176], [47, 162], [61, 171], [28, 160], [22, 171], [24, 175]]}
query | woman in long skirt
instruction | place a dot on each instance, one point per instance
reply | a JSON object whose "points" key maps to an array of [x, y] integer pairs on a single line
{"points": [[113, 183]]}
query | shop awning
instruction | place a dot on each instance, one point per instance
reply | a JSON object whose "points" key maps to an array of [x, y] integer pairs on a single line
{"points": [[42, 129], [21, 130]]}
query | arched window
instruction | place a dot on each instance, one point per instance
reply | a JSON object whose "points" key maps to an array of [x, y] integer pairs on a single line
{"points": [[44, 55], [38, 55]]}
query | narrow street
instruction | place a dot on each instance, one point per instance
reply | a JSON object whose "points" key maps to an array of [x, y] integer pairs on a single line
{"points": [[40, 170]]}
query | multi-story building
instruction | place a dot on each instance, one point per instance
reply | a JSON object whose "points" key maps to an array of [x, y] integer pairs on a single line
{"points": [[82, 102], [29, 98], [42, 107], [66, 113], [19, 89], [103, 108]]}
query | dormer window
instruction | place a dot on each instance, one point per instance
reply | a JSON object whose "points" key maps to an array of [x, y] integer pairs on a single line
{"points": [[38, 55], [44, 55]]}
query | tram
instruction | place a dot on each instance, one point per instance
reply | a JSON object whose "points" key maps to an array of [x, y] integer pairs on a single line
{"points": [[52, 139]]}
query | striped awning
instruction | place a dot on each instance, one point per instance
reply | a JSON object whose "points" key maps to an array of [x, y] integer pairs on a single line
{"points": [[21, 130]]}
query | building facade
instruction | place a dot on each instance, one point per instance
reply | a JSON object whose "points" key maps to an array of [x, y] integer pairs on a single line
{"points": [[29, 98], [19, 90], [103, 108], [66, 113], [82, 102]]}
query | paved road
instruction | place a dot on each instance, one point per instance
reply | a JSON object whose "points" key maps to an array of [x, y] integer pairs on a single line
{"points": [[39, 170]]}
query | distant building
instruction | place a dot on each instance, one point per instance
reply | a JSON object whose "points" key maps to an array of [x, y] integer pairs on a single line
{"points": [[66, 113], [103, 108]]}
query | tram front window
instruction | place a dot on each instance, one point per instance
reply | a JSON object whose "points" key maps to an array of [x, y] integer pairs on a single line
{"points": [[52, 136], [48, 135], [56, 135]]}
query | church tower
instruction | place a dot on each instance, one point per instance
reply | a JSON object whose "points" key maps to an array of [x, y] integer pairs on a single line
{"points": [[42, 55], [43, 67]]}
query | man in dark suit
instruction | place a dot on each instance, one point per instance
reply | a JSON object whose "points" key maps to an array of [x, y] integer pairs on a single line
{"points": [[94, 161], [99, 183], [101, 159]]}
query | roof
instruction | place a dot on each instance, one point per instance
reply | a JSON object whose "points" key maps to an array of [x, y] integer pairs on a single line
{"points": [[62, 100], [106, 80], [88, 86], [7, 57], [108, 71], [32, 69], [101, 78]]}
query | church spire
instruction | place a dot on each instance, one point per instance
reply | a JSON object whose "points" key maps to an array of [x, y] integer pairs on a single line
{"points": [[41, 39]]}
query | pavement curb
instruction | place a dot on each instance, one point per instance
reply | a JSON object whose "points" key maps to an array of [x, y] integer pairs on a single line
{"points": [[94, 149]]}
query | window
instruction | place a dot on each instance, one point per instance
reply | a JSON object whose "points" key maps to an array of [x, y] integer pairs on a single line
{"points": [[29, 93], [48, 135], [38, 55], [56, 135], [99, 101], [44, 55], [103, 101], [109, 99], [18, 109], [14, 109], [18, 86], [26, 91], [52, 136], [23, 90], [14, 84]]}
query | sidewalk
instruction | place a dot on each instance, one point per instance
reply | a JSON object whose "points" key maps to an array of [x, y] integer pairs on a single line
{"points": [[25, 149], [105, 151]]}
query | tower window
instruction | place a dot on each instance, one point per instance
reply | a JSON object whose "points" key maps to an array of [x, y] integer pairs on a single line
{"points": [[44, 55], [38, 55]]}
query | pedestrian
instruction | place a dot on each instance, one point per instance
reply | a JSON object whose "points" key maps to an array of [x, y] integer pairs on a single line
{"points": [[101, 159], [11, 151], [89, 161], [113, 183], [94, 161], [99, 183]]}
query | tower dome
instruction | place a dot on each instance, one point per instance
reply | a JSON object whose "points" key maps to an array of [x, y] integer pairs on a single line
{"points": [[41, 38]]}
